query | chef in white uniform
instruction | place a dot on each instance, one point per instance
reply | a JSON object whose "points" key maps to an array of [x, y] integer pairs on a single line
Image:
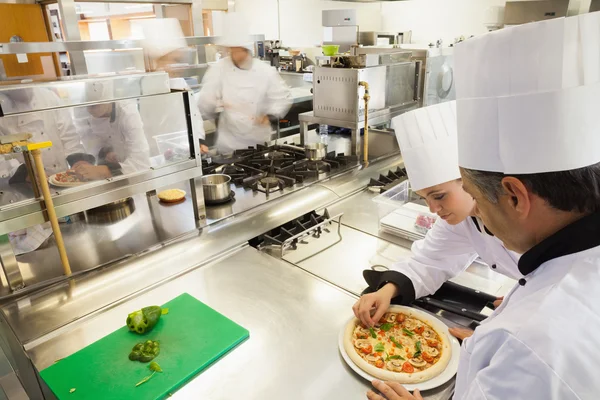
{"points": [[427, 139], [113, 133], [529, 152], [53, 125], [242, 92]]}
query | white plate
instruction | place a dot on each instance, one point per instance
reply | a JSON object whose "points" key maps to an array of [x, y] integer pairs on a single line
{"points": [[439, 380], [54, 182]]}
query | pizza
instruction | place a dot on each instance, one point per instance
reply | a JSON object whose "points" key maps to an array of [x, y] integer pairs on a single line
{"points": [[68, 178], [406, 346]]}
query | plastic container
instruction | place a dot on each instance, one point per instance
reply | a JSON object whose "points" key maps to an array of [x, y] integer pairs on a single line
{"points": [[396, 196], [330, 49], [324, 133]]}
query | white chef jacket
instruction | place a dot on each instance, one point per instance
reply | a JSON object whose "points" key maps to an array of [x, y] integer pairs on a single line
{"points": [[244, 97], [53, 125], [542, 342], [446, 251], [123, 131]]}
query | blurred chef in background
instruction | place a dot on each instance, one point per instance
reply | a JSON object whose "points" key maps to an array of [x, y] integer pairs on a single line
{"points": [[242, 92], [56, 126], [113, 133]]}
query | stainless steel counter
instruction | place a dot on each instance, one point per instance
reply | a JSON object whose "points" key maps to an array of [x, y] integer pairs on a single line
{"points": [[294, 320], [274, 299], [342, 263]]}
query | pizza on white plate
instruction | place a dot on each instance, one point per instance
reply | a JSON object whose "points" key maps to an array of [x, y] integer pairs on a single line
{"points": [[406, 346]]}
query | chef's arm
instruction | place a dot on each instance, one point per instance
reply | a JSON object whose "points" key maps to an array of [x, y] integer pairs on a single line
{"points": [[503, 366], [67, 133], [279, 97], [137, 150], [210, 96], [444, 253]]}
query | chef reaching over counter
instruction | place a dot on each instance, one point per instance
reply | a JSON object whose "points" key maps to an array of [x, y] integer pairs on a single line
{"points": [[427, 139], [113, 133], [529, 151], [242, 92], [54, 125]]}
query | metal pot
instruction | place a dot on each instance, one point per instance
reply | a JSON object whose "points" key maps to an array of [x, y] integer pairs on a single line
{"points": [[315, 151], [216, 187]]}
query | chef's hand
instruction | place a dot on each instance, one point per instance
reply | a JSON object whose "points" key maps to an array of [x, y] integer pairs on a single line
{"points": [[461, 333], [264, 120], [203, 149], [370, 308], [111, 157], [79, 163], [91, 172], [392, 391], [498, 301]]}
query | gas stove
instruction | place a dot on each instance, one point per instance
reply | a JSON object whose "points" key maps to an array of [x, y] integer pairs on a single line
{"points": [[270, 169]]}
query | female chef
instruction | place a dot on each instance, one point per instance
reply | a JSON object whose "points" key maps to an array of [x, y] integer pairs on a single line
{"points": [[427, 138]]}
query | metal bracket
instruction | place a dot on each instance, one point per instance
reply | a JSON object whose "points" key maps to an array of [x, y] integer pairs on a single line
{"points": [[10, 266], [315, 231]]}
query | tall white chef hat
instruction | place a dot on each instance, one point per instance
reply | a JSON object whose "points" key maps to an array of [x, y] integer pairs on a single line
{"points": [[528, 97], [237, 33], [99, 90], [427, 139]]}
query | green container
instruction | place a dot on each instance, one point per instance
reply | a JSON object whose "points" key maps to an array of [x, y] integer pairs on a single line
{"points": [[330, 49]]}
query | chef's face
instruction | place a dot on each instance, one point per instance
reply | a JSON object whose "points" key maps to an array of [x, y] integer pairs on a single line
{"points": [[449, 201], [239, 55], [503, 218]]}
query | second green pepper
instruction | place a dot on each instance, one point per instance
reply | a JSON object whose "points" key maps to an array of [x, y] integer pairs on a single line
{"points": [[144, 351]]}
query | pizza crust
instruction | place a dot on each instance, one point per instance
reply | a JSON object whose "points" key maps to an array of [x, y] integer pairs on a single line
{"points": [[403, 377], [53, 181], [171, 195]]}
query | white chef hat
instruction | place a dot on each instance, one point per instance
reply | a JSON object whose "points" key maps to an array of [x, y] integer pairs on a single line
{"points": [[99, 90], [160, 36], [528, 97], [237, 33], [427, 139]]}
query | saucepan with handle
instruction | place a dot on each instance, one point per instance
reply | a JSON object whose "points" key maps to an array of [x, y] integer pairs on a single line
{"points": [[315, 151], [216, 188]]}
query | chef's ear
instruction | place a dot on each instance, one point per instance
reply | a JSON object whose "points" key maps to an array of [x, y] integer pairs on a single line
{"points": [[518, 195]]}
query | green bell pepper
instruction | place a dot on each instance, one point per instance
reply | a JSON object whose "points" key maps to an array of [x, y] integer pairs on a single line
{"points": [[144, 320], [145, 351]]}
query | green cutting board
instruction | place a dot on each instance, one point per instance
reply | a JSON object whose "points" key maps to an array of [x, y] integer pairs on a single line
{"points": [[192, 336]]}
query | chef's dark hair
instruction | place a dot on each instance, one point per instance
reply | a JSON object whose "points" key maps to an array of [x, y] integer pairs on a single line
{"points": [[577, 190]]}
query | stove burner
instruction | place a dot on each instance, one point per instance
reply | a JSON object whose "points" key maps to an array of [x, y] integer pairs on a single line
{"points": [[275, 155], [386, 182], [319, 166], [269, 181], [271, 169]]}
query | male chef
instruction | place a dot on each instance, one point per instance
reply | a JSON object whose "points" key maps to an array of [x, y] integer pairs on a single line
{"points": [[529, 151]]}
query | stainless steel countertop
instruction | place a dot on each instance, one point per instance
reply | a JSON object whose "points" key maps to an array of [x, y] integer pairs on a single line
{"points": [[294, 321], [301, 94], [343, 263], [363, 214]]}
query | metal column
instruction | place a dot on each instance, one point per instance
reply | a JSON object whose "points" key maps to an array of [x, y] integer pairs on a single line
{"points": [[197, 22], [70, 24]]}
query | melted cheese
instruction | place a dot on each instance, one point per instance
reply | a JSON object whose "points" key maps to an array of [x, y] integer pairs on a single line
{"points": [[408, 342]]}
